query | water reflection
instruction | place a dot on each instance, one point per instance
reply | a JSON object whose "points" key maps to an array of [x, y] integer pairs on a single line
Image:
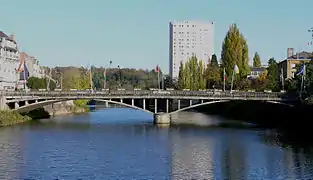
{"points": [[124, 144], [192, 155], [11, 153]]}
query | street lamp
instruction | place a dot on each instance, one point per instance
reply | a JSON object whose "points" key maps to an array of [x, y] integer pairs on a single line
{"points": [[90, 79], [49, 78], [61, 79], [120, 76], [105, 74]]}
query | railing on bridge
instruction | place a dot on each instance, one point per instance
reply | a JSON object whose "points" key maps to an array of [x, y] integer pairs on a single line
{"points": [[165, 93]]}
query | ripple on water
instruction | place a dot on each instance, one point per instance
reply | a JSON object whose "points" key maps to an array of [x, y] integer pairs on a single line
{"points": [[95, 147]]}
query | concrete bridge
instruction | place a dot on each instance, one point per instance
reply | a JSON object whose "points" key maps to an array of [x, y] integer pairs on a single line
{"points": [[160, 103]]}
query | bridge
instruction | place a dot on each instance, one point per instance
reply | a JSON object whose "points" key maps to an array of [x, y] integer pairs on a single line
{"points": [[160, 103]]}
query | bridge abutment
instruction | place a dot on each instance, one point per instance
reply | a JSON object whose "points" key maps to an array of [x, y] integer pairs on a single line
{"points": [[3, 105], [162, 118]]}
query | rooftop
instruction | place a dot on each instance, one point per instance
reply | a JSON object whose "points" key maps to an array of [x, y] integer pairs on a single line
{"points": [[302, 55], [2, 34]]}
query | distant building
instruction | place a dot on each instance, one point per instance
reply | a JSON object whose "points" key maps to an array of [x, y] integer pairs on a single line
{"points": [[9, 61], [255, 72], [288, 66], [189, 38], [32, 66]]}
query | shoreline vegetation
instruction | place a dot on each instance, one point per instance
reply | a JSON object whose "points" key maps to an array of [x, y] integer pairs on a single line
{"points": [[8, 118]]}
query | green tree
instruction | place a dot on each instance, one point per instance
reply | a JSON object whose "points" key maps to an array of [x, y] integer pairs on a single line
{"points": [[273, 75], [212, 76], [214, 61], [256, 60], [202, 81], [35, 83], [245, 58], [235, 51], [181, 76]]}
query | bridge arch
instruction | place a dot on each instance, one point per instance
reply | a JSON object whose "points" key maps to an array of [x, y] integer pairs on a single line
{"points": [[33, 106], [221, 101], [197, 105]]}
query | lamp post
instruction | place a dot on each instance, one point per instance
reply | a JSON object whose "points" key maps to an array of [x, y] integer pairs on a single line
{"points": [[90, 79], [49, 78], [105, 74], [311, 31], [120, 76], [61, 79]]}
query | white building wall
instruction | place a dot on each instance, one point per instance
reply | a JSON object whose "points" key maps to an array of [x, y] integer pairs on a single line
{"points": [[189, 38], [9, 61], [33, 67]]}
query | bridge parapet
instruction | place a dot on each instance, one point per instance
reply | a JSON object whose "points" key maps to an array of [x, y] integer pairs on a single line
{"points": [[128, 93]]}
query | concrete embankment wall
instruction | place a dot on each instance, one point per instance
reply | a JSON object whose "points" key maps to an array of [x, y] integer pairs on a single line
{"points": [[63, 108], [57, 109]]}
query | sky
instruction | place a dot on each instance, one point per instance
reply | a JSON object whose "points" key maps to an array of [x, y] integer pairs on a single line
{"points": [[135, 33]]}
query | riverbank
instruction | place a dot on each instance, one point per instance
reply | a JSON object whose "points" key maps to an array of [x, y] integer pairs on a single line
{"points": [[8, 118]]}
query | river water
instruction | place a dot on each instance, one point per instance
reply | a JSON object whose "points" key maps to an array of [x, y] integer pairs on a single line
{"points": [[124, 144]]}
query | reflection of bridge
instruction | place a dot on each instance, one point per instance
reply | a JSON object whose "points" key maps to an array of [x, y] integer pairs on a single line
{"points": [[158, 102]]}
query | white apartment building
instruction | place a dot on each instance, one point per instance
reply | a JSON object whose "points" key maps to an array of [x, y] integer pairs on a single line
{"points": [[9, 61], [189, 38]]}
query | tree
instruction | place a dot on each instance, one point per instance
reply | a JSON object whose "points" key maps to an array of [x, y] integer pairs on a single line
{"points": [[181, 76], [35, 83], [235, 51], [273, 75], [214, 61], [202, 82], [212, 76], [256, 60], [192, 74]]}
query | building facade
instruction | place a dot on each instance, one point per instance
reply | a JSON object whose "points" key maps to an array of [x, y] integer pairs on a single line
{"points": [[188, 38], [9, 61], [288, 66], [255, 72], [32, 66]]}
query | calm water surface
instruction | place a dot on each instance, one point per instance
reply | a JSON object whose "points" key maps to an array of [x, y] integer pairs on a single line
{"points": [[124, 144]]}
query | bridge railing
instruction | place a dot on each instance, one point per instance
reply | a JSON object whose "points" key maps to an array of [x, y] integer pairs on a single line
{"points": [[149, 93]]}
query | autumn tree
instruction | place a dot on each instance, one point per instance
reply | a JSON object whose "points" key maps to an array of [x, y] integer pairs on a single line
{"points": [[235, 51]]}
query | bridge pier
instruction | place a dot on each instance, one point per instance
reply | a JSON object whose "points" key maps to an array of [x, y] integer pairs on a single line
{"points": [[16, 105], [162, 118], [3, 105]]}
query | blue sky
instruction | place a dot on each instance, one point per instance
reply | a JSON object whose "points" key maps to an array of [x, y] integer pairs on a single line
{"points": [[134, 33]]}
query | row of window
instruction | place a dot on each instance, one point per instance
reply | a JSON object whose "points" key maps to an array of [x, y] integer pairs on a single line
{"points": [[181, 25]]}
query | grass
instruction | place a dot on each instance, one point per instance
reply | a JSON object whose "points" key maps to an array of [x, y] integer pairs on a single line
{"points": [[8, 118]]}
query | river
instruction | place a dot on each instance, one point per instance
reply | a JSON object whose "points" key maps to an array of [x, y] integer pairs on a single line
{"points": [[124, 144]]}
